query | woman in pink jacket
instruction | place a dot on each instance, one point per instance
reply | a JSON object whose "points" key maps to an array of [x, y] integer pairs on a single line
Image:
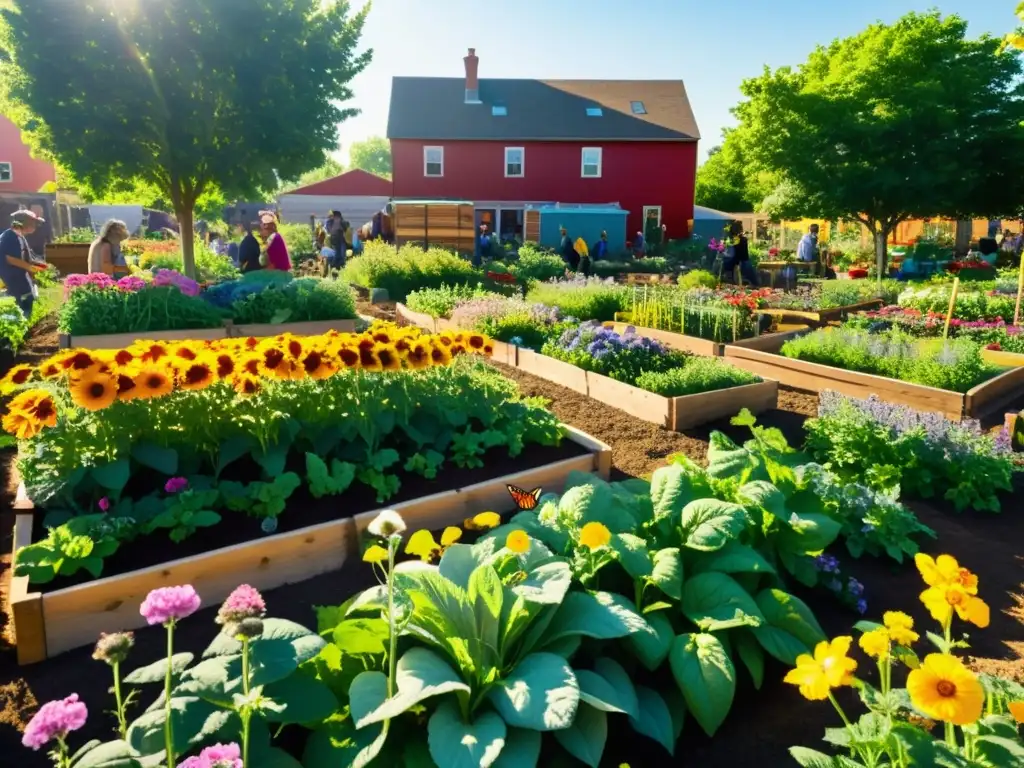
{"points": [[274, 245]]}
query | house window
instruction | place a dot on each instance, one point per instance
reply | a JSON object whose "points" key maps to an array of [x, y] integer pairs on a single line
{"points": [[499, 111], [594, 112], [638, 107], [515, 162], [433, 161], [6, 173], [591, 163]]}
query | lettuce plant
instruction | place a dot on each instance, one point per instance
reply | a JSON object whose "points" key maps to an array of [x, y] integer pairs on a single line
{"points": [[81, 543]]}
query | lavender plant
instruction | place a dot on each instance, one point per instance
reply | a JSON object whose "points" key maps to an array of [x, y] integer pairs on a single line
{"points": [[624, 357], [585, 298]]}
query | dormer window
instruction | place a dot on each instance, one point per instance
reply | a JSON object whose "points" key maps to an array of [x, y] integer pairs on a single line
{"points": [[595, 112], [638, 107], [499, 110]]}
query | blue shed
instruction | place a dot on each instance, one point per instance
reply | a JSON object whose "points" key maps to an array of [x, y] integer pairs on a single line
{"points": [[542, 224], [708, 223]]}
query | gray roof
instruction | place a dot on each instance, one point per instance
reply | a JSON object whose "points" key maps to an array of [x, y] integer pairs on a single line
{"points": [[434, 108]]}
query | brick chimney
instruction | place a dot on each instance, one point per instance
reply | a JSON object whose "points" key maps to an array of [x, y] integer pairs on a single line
{"points": [[472, 79]]}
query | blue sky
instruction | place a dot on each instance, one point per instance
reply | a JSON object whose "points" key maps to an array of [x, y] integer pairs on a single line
{"points": [[710, 44]]}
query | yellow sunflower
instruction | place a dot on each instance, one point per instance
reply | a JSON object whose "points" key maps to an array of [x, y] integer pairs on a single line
{"points": [[368, 360], [153, 380], [245, 384], [419, 356], [29, 413], [151, 352], [226, 364], [77, 360], [93, 390], [52, 367], [126, 388], [124, 357], [349, 357], [316, 364], [944, 689], [388, 357], [274, 364], [197, 374], [440, 355], [476, 342], [16, 377]]}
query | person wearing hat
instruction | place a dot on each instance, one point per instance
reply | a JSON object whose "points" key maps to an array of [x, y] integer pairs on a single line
{"points": [[17, 262], [275, 250]]}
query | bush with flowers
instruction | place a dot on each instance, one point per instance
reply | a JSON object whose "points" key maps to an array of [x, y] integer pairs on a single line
{"points": [[400, 271], [146, 433], [979, 713], [701, 312], [581, 297]]}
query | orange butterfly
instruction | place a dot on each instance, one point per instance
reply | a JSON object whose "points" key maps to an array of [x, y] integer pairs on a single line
{"points": [[525, 500]]}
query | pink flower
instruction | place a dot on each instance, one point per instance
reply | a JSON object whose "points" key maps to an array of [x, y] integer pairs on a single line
{"points": [[131, 284], [103, 504], [176, 485], [217, 756], [244, 603], [167, 604], [55, 719]]}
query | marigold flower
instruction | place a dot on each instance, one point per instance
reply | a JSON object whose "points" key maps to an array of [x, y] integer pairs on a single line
{"points": [[167, 604], [450, 535], [483, 521], [830, 667], [94, 390], [55, 720], [944, 689], [518, 542], [153, 381], [875, 643], [941, 601], [594, 536], [900, 627], [387, 523], [375, 554], [1017, 710]]}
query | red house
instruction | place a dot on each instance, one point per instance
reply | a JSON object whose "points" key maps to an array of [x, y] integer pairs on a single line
{"points": [[505, 144], [19, 171]]}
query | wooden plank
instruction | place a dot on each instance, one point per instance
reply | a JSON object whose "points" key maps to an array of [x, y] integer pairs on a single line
{"points": [[678, 341], [563, 374], [992, 395], [406, 316], [636, 402], [309, 328], [506, 354], [693, 410], [26, 608], [122, 340], [770, 342], [1002, 359], [814, 377]]}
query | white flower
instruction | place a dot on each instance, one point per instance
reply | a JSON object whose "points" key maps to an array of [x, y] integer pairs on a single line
{"points": [[387, 523]]}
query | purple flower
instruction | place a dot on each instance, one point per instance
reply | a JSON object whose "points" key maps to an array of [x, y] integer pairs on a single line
{"points": [[113, 648], [176, 485], [103, 504], [168, 604], [55, 720], [827, 563], [854, 587], [217, 756], [131, 284], [862, 606], [244, 603]]}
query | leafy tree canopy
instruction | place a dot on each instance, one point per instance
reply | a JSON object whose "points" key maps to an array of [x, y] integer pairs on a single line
{"points": [[372, 155], [722, 179], [183, 95], [906, 120]]}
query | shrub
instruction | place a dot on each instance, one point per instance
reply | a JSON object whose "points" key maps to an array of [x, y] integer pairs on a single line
{"points": [[537, 263], [13, 326], [407, 269], [697, 278], [624, 357], [970, 305], [304, 300], [298, 238], [439, 302], [698, 374], [91, 311], [209, 266], [582, 298]]}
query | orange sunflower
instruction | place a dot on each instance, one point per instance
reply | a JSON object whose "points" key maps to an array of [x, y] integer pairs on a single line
{"points": [[29, 412], [153, 381], [389, 358], [152, 352], [440, 354], [368, 360], [245, 384], [77, 360], [226, 363], [316, 364], [126, 388], [419, 356], [274, 364], [197, 374], [476, 341], [15, 377], [94, 389], [349, 357]]}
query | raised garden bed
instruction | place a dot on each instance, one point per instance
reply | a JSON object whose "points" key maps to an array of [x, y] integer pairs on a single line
{"points": [[47, 623], [984, 399], [68, 258], [698, 346], [819, 317], [228, 331]]}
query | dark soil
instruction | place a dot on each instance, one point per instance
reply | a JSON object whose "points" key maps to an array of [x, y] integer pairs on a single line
{"points": [[761, 726]]}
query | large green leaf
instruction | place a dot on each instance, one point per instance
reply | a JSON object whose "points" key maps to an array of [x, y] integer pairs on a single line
{"points": [[361, 636], [541, 694], [672, 488], [305, 700], [113, 754], [420, 674], [337, 742], [459, 561], [522, 749], [714, 601], [667, 574], [709, 524], [368, 692], [761, 493], [631, 552], [751, 654], [457, 744], [652, 647], [735, 558], [728, 460], [602, 615], [272, 757], [779, 644], [194, 721], [586, 737], [545, 584], [705, 675], [595, 503], [113, 476], [602, 694], [620, 680], [653, 719], [812, 758], [157, 671], [788, 612], [809, 533], [163, 460]]}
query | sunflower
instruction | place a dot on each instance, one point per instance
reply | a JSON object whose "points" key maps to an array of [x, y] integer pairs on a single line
{"points": [[944, 689], [153, 381], [198, 374], [440, 354], [152, 352], [183, 352], [830, 667], [403, 345], [51, 368], [489, 349], [349, 357], [126, 388], [316, 365], [365, 342], [457, 349], [389, 358], [445, 339], [249, 364], [124, 357], [225, 363], [15, 377], [368, 360], [94, 390], [274, 364], [381, 336], [251, 343], [419, 356], [77, 360], [245, 384], [29, 412], [476, 341], [293, 347]]}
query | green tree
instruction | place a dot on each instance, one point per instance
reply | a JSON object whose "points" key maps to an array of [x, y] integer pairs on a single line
{"points": [[906, 120], [372, 155], [185, 95], [721, 180]]}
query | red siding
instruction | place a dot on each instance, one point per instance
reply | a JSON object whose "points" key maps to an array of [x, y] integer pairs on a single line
{"points": [[633, 174], [27, 173]]}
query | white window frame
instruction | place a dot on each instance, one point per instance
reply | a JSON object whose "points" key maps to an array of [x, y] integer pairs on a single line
{"points": [[522, 163], [584, 163], [10, 172], [426, 162]]}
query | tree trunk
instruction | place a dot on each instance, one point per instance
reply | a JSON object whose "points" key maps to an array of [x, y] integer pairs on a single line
{"points": [[880, 233], [185, 214]]}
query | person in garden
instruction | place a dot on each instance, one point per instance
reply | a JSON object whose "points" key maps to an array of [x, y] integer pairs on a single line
{"points": [[600, 249], [249, 250], [567, 250], [737, 254], [807, 250], [273, 244], [105, 252], [338, 240], [639, 246], [17, 263], [483, 245]]}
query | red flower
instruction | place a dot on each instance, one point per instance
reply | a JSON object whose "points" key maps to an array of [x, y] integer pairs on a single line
{"points": [[994, 347]]}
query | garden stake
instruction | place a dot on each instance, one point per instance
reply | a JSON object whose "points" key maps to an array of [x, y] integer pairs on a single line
{"points": [[1020, 290], [952, 305]]}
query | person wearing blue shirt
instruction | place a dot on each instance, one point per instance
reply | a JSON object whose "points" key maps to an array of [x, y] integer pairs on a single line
{"points": [[600, 249], [16, 259], [483, 246], [807, 250]]}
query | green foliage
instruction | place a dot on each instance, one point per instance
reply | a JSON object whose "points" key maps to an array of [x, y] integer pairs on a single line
{"points": [[328, 170], [721, 179], [624, 358], [697, 278], [89, 311], [833, 131], [76, 235], [407, 269], [237, 134], [209, 266], [439, 302], [329, 482], [535, 263], [302, 300], [79, 544], [695, 375], [591, 299], [298, 238], [186, 512], [982, 304], [13, 325], [955, 365], [372, 155]]}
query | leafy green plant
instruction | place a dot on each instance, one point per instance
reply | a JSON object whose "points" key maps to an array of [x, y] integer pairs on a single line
{"points": [[324, 481], [186, 512], [304, 300], [92, 311], [439, 302], [13, 325], [81, 543], [582, 298], [695, 375], [697, 278], [407, 269], [210, 267], [536, 264]]}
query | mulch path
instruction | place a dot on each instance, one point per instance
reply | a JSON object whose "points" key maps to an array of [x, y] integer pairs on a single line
{"points": [[762, 724]]}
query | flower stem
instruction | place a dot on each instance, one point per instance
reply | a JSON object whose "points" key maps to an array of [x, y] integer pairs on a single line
{"points": [[168, 726], [247, 715], [392, 634], [122, 724], [951, 735]]}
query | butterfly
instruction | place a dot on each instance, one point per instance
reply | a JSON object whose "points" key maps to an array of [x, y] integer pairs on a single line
{"points": [[525, 500]]}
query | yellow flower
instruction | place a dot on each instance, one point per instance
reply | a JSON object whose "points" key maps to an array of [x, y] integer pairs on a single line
{"points": [[945, 570], [418, 356], [375, 554], [29, 412], [153, 381], [450, 536], [875, 643], [594, 536], [944, 689], [1017, 710], [389, 358], [94, 390], [829, 667], [15, 377], [422, 545], [483, 521], [900, 627], [440, 354], [941, 601], [518, 542], [197, 374]]}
